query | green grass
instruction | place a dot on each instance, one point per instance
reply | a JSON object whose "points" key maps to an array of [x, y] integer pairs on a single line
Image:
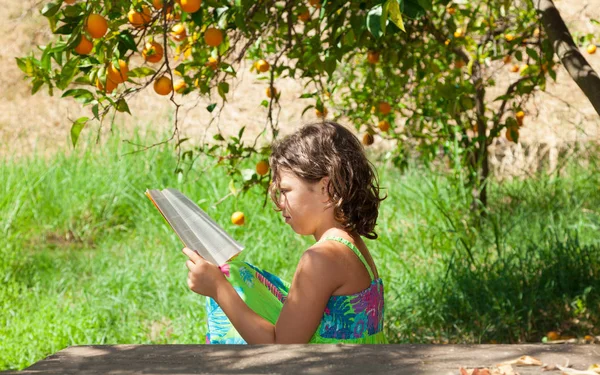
{"points": [[86, 259]]}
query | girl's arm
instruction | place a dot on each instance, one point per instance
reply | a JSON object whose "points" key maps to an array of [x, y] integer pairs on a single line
{"points": [[311, 288]]}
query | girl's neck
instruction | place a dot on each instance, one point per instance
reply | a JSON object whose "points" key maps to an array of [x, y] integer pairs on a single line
{"points": [[334, 232]]}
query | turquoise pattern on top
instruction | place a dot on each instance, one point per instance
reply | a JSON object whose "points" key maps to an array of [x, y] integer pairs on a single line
{"points": [[353, 316], [352, 319]]}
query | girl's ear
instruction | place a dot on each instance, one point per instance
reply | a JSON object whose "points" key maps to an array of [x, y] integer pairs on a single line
{"points": [[323, 186]]}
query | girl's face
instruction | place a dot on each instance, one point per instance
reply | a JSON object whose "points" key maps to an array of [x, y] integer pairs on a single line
{"points": [[303, 205]]}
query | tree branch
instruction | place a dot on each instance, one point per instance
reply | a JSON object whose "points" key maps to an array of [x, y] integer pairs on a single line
{"points": [[568, 52]]}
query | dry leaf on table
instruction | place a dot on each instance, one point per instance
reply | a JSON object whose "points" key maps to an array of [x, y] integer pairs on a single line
{"points": [[570, 371], [524, 360], [500, 370]]}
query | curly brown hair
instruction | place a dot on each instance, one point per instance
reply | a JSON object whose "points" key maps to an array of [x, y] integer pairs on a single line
{"points": [[328, 149]]}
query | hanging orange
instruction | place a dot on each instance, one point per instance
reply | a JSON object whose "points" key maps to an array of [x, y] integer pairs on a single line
{"points": [[96, 25], [153, 52], [190, 6], [163, 86], [213, 37], [85, 46], [118, 75]]}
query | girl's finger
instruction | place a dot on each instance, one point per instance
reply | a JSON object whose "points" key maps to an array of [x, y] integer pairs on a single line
{"points": [[189, 264], [191, 254]]}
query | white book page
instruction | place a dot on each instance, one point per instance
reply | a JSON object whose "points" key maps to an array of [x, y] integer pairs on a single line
{"points": [[180, 225], [209, 237]]}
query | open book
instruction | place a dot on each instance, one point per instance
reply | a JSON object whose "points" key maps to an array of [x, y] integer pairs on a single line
{"points": [[194, 227]]}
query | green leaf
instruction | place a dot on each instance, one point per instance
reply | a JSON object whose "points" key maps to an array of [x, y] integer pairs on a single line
{"points": [[66, 29], [122, 106], [306, 109], [73, 11], [126, 42], [95, 111], [25, 65], [395, 15], [67, 73], [374, 21], [81, 95], [265, 103], [223, 89], [142, 71], [37, 84], [413, 9], [218, 137], [211, 107], [232, 188], [384, 16], [76, 129], [50, 9], [197, 17]]}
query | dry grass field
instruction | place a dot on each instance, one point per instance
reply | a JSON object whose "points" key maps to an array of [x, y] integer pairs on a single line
{"points": [[556, 118]]}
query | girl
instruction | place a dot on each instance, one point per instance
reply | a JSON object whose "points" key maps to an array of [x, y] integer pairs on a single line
{"points": [[325, 187]]}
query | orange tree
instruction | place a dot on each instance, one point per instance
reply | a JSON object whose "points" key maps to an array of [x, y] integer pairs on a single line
{"points": [[416, 72]]}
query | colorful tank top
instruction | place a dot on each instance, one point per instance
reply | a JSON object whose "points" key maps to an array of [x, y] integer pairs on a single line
{"points": [[353, 319]]}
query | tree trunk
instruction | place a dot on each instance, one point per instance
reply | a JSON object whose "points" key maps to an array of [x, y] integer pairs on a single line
{"points": [[481, 155], [568, 52]]}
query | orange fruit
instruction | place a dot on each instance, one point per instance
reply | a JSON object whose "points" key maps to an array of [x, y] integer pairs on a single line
{"points": [[190, 6], [450, 10], [520, 117], [589, 338], [510, 132], [304, 16], [139, 19], [153, 52], [315, 3], [96, 25], [322, 114], [262, 168], [213, 37], [536, 33], [591, 49], [384, 108], [212, 63], [110, 85], [178, 32], [270, 92], [237, 218], [157, 4], [373, 57], [384, 125], [69, 2], [262, 66], [459, 33], [514, 68], [507, 59], [118, 75], [367, 139], [84, 47], [459, 63], [163, 86], [509, 37], [553, 336]]}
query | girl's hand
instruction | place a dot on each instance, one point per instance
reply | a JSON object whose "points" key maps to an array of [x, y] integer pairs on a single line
{"points": [[203, 277]]}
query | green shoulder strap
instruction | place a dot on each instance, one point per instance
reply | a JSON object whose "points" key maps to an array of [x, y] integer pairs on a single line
{"points": [[353, 248]]}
